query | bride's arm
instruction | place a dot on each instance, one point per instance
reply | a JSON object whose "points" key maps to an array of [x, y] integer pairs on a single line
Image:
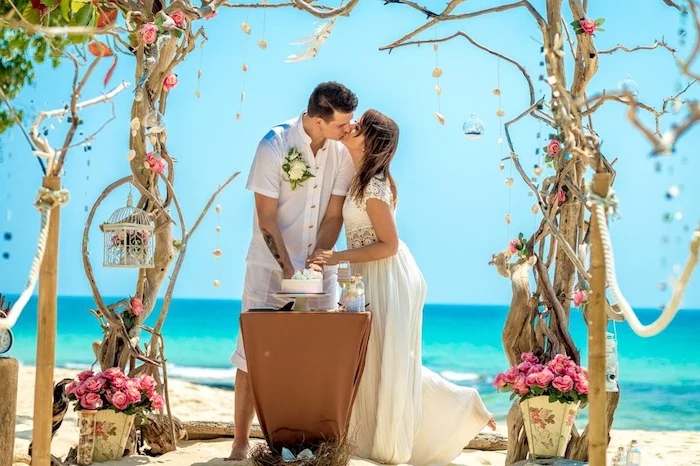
{"points": [[382, 218]]}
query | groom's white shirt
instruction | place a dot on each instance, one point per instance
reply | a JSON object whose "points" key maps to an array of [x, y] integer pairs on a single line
{"points": [[300, 211]]}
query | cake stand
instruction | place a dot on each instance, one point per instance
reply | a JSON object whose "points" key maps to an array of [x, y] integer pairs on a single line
{"points": [[301, 299]]}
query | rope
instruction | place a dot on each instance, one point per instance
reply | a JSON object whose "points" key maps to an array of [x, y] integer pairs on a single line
{"points": [[46, 200], [601, 207]]}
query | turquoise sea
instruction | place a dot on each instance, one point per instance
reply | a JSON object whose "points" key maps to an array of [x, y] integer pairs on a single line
{"points": [[659, 376]]}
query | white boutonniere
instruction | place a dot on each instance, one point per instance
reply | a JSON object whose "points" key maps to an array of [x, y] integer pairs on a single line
{"points": [[295, 168]]}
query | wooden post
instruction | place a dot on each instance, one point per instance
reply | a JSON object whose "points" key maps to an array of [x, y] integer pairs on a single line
{"points": [[9, 368], [46, 338], [597, 326]]}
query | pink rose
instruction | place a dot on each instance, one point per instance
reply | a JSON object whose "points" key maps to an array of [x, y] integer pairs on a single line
{"points": [[83, 376], [112, 372], [133, 394], [563, 383], [572, 372], [531, 380], [588, 26], [91, 401], [79, 390], [179, 18], [524, 366], [543, 378], [120, 400], [553, 148], [511, 374], [170, 81], [513, 246], [156, 401], [561, 196], [149, 33], [582, 386], [535, 369], [94, 384], [579, 297], [500, 381], [520, 385], [148, 383], [529, 357], [136, 304], [558, 367], [71, 388], [153, 163], [119, 382]]}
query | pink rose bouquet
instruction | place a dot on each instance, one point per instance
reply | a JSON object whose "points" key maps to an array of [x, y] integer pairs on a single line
{"points": [[561, 379], [112, 389]]}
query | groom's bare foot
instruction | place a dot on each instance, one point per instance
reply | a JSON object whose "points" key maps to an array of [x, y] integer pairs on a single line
{"points": [[239, 453], [492, 423]]}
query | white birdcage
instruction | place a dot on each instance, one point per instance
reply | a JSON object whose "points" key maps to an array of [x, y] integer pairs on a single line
{"points": [[129, 241]]}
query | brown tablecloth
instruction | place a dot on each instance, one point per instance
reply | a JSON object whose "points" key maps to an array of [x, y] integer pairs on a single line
{"points": [[304, 368]]}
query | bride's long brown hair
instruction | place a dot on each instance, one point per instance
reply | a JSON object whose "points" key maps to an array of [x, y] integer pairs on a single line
{"points": [[381, 140]]}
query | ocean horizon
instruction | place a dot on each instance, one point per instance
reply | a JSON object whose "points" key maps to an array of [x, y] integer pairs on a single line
{"points": [[659, 376]]}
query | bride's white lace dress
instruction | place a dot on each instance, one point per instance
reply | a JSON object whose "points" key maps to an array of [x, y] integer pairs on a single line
{"points": [[403, 413]]}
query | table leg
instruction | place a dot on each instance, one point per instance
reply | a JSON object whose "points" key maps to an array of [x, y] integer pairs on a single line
{"points": [[301, 304]]}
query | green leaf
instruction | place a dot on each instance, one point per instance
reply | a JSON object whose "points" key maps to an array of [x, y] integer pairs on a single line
{"points": [[65, 9], [31, 15], [553, 397], [513, 395], [83, 16], [599, 21], [77, 5]]}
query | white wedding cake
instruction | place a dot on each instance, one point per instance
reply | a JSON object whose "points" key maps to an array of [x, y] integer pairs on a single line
{"points": [[306, 281]]}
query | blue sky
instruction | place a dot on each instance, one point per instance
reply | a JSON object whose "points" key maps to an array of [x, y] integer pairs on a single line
{"points": [[453, 198]]}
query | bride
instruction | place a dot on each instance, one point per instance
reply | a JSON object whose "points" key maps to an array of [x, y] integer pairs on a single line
{"points": [[404, 412]]}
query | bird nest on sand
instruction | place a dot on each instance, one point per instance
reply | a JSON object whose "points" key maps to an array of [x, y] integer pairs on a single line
{"points": [[330, 453]]}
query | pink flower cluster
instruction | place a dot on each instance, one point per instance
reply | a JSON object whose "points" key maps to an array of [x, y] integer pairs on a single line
{"points": [[112, 389], [136, 305], [580, 297], [560, 376], [154, 163]]}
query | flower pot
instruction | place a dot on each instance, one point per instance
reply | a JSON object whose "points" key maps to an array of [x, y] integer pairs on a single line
{"points": [[103, 435], [548, 425]]}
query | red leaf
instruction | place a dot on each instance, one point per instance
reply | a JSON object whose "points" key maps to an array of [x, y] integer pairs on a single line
{"points": [[110, 72], [106, 18], [100, 49]]}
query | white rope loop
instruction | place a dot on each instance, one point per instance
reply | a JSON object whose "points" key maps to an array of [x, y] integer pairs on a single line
{"points": [[608, 205], [46, 200]]}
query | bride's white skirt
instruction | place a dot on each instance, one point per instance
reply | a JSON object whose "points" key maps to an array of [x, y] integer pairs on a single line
{"points": [[405, 413]]}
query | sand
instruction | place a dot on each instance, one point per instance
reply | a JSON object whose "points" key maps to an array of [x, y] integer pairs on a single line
{"points": [[195, 402]]}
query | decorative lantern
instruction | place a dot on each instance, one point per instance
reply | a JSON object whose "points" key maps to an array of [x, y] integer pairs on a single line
{"points": [[611, 363], [473, 128], [128, 238]]}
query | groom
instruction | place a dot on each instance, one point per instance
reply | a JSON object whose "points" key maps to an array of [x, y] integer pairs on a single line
{"points": [[300, 176]]}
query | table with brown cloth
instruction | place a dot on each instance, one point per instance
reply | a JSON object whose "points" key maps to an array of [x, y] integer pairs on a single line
{"points": [[304, 368]]}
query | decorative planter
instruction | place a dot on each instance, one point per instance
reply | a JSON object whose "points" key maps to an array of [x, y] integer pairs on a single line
{"points": [[548, 425], [103, 435]]}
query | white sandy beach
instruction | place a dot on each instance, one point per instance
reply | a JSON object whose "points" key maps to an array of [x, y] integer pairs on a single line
{"points": [[201, 403]]}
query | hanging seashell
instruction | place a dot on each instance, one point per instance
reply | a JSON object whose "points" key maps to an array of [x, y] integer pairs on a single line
{"points": [[217, 283], [500, 112], [245, 27], [217, 208], [153, 139], [508, 219], [537, 170], [217, 253], [438, 89], [500, 140], [501, 166], [496, 91], [435, 47], [535, 208], [197, 94], [439, 118], [672, 192], [130, 155], [218, 229], [510, 182], [242, 96], [238, 116], [135, 124], [262, 43], [244, 67], [437, 72]]}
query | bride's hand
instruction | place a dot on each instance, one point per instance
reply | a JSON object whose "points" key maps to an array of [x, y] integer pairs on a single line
{"points": [[323, 257]]}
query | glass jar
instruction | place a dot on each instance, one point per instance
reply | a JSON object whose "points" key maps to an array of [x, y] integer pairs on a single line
{"points": [[353, 297]]}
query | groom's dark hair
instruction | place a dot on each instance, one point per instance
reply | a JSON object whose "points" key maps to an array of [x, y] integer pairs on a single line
{"points": [[330, 97]]}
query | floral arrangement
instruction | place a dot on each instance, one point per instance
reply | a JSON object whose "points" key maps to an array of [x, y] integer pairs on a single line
{"points": [[112, 389], [553, 149], [580, 297], [517, 246], [153, 162], [131, 238], [295, 168], [588, 26], [561, 379]]}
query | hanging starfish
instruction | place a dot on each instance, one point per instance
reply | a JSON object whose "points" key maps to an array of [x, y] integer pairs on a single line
{"points": [[313, 43]]}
